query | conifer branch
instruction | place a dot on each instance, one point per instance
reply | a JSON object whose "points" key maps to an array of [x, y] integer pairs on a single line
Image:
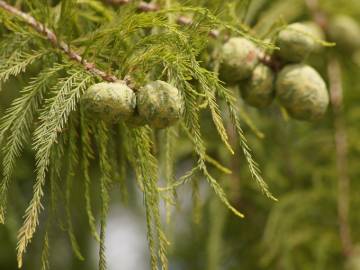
{"points": [[52, 38], [86, 155], [91, 67], [16, 120], [52, 120], [73, 163], [102, 139], [45, 264]]}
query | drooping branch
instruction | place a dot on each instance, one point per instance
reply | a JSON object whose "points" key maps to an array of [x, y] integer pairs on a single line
{"points": [[52, 38]]}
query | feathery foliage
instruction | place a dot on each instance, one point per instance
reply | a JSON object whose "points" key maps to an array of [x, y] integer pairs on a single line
{"points": [[52, 120], [73, 162], [17, 121], [86, 155], [102, 138], [17, 63]]}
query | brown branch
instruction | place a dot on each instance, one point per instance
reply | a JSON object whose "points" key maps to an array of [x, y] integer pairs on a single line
{"points": [[52, 38], [118, 2], [147, 7], [142, 6]]}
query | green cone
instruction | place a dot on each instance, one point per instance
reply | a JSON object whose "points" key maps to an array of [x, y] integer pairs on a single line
{"points": [[302, 91], [258, 90], [160, 104], [296, 42], [110, 101], [239, 58]]}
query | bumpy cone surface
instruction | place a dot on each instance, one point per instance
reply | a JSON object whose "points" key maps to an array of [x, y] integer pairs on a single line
{"points": [[239, 58], [345, 31], [296, 42], [302, 91], [110, 101], [160, 104], [258, 91]]}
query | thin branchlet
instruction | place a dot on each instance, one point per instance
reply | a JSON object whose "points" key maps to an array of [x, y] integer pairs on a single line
{"points": [[86, 155], [102, 138]]}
